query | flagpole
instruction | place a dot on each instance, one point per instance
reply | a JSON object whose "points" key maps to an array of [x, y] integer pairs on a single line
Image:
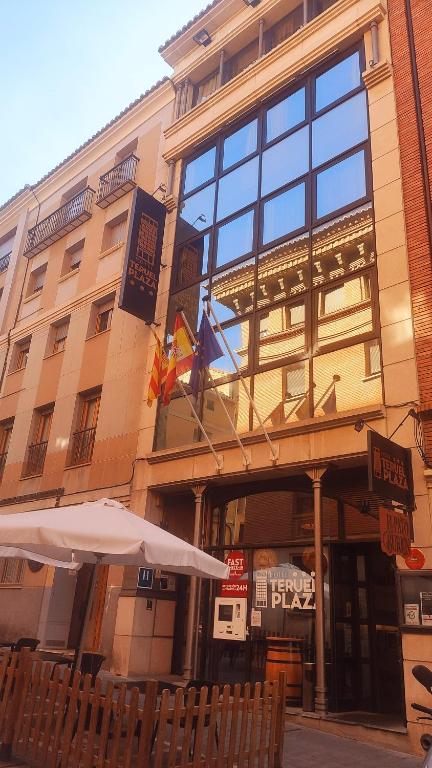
{"points": [[218, 460], [273, 448], [246, 458]]}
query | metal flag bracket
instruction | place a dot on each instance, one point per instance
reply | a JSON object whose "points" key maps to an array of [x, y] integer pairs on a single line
{"points": [[274, 453]]}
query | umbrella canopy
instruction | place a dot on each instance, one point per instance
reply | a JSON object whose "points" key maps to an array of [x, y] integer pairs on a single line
{"points": [[101, 532]]}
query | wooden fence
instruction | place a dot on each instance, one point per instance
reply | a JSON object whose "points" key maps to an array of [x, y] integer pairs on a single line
{"points": [[52, 719]]}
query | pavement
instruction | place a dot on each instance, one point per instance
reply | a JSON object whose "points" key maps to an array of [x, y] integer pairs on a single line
{"points": [[306, 748]]}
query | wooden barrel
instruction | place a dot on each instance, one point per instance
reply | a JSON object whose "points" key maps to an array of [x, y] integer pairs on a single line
{"points": [[284, 654]]}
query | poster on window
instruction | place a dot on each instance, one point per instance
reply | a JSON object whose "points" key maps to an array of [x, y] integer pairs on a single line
{"points": [[138, 292]]}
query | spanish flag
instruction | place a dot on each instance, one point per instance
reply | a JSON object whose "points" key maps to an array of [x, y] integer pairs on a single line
{"points": [[181, 357], [158, 374]]}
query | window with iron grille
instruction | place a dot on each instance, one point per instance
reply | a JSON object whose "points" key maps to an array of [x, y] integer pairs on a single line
{"points": [[20, 354], [60, 333], [73, 257], [37, 448], [83, 438], [37, 280], [11, 570], [115, 232], [6, 428]]}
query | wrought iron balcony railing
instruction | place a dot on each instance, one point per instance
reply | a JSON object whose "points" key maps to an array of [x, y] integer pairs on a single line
{"points": [[4, 261], [117, 182], [63, 220], [82, 446], [36, 453]]}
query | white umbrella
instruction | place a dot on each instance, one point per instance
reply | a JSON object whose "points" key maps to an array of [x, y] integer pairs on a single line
{"points": [[102, 533]]}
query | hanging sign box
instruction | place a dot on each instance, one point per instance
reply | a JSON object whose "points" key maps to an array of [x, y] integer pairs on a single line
{"points": [[390, 470], [138, 292], [395, 532]]}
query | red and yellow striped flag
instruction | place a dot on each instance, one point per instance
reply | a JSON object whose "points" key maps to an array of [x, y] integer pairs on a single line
{"points": [[181, 357], [158, 374]]}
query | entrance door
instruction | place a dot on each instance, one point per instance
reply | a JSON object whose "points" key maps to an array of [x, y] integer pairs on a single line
{"points": [[367, 669]]}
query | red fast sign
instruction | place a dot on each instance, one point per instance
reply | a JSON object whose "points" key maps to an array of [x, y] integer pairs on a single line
{"points": [[236, 562]]}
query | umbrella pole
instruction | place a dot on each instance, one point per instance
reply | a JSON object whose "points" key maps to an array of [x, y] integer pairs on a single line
{"points": [[86, 621], [188, 668]]}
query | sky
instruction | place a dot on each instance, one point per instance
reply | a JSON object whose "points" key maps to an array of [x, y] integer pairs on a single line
{"points": [[67, 67]]}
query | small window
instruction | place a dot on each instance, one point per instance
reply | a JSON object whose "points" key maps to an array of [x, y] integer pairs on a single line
{"points": [[294, 381], [340, 185], [205, 88], [11, 570], [284, 214], [60, 333], [285, 161], [286, 115], [36, 280], [343, 127], [128, 150], [192, 260], [73, 257], [372, 358], [37, 448], [21, 353], [235, 239], [240, 144], [83, 438], [115, 232], [101, 316], [196, 214], [6, 428], [238, 189]]}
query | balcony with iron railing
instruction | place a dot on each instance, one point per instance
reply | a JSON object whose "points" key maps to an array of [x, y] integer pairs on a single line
{"points": [[82, 446], [4, 261], [117, 182], [35, 461], [57, 224]]}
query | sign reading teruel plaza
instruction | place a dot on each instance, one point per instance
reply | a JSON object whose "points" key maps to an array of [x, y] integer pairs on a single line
{"points": [[141, 269], [390, 470], [395, 532]]}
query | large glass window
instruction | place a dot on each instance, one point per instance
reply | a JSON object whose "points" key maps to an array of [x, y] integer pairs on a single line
{"points": [[275, 225]]}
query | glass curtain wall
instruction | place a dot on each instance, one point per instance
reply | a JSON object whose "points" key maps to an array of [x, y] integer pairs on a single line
{"points": [[275, 223]]}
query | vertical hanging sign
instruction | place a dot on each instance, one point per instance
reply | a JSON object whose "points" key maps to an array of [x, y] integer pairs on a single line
{"points": [[141, 269]]}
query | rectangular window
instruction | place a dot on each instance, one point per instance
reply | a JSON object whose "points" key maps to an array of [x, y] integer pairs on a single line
{"points": [[372, 358], [295, 384], [84, 437], [103, 317], [21, 353], [11, 570], [36, 451], [205, 88], [73, 257], [36, 280], [6, 428], [60, 336], [115, 232]]}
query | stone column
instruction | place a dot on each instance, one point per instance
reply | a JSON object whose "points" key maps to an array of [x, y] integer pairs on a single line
{"points": [[188, 670], [321, 702]]}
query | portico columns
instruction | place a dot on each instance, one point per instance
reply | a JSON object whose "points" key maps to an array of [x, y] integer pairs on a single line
{"points": [[321, 689], [198, 491]]}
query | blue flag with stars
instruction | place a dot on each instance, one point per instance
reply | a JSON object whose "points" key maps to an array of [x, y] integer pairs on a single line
{"points": [[207, 350]]}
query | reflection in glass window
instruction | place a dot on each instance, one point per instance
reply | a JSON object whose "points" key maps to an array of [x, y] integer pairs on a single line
{"points": [[281, 395], [192, 260], [235, 239], [237, 336], [232, 292], [190, 301], [284, 214], [372, 358], [285, 161], [176, 425], [345, 310], [339, 130], [343, 246], [341, 184], [238, 189], [337, 81], [283, 271], [342, 383], [240, 144], [285, 115], [196, 213], [281, 333], [199, 171], [214, 418]]}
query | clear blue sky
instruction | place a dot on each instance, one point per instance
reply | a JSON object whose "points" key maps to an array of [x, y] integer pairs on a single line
{"points": [[67, 67]]}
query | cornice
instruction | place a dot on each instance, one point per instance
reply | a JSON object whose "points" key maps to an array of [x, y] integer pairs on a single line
{"points": [[375, 12], [56, 313]]}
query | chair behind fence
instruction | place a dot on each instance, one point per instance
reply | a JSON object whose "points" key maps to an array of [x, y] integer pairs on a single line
{"points": [[59, 720]]}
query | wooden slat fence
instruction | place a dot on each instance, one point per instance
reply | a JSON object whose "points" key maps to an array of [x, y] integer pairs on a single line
{"points": [[50, 718]]}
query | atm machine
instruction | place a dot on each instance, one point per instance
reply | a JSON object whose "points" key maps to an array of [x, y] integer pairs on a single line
{"points": [[230, 618]]}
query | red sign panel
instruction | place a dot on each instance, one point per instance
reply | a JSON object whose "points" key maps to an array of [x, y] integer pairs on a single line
{"points": [[415, 560], [395, 532], [236, 586]]}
